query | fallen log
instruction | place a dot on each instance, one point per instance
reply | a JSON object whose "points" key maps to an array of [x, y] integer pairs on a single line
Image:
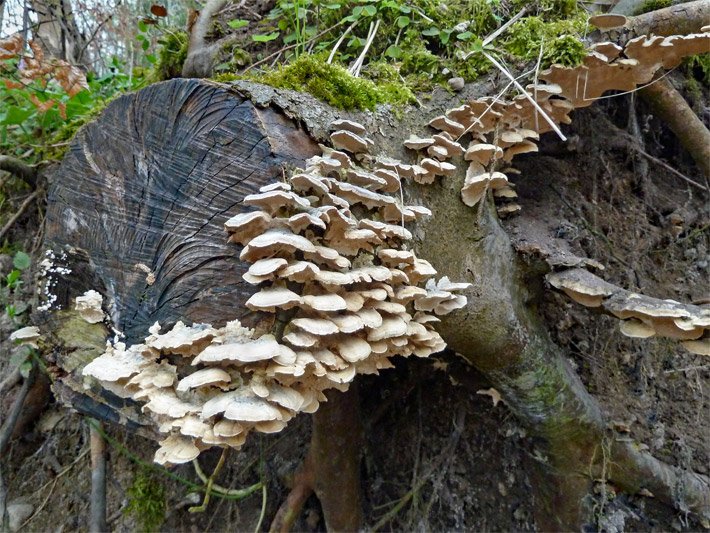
{"points": [[136, 212]]}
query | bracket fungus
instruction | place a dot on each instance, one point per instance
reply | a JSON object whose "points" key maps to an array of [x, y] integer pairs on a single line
{"points": [[345, 289]]}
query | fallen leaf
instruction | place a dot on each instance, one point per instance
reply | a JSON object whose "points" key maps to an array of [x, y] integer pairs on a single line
{"points": [[158, 10], [494, 394]]}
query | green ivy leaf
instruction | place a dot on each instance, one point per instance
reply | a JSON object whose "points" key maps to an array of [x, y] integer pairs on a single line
{"points": [[265, 37], [237, 23], [403, 22], [393, 52], [370, 11], [431, 32], [21, 261]]}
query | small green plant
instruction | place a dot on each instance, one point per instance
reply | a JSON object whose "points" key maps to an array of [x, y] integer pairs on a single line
{"points": [[12, 283], [146, 500]]}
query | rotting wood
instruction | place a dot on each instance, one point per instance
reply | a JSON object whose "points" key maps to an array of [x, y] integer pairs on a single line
{"points": [[497, 332]]}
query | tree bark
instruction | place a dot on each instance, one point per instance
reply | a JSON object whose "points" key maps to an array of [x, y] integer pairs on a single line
{"points": [[141, 189]]}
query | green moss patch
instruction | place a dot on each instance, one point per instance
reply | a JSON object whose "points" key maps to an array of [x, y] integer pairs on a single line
{"points": [[335, 85]]}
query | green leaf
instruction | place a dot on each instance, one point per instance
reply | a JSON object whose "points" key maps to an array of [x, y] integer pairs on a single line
{"points": [[237, 23], [430, 32], [444, 36], [145, 44], [142, 26], [369, 11], [332, 6], [16, 115], [405, 9], [394, 52], [150, 58], [464, 36], [357, 11], [403, 22], [265, 38], [12, 280], [21, 261]]}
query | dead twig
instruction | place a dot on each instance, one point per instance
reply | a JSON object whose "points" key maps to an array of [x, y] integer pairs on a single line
{"points": [[14, 218], [11, 421]]}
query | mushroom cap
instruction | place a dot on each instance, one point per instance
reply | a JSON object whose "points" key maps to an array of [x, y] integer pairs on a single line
{"points": [[263, 348], [202, 378], [116, 363], [348, 125], [241, 406], [273, 241], [443, 123], [347, 140], [182, 339], [245, 226], [636, 329], [272, 201], [88, 306], [316, 326], [271, 298], [176, 449], [325, 302], [607, 21], [26, 334], [418, 143]]}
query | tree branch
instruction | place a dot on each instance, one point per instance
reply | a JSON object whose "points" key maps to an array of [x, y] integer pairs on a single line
{"points": [[25, 172]]}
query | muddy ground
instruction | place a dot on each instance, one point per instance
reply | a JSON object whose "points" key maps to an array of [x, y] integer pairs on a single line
{"points": [[438, 455]]}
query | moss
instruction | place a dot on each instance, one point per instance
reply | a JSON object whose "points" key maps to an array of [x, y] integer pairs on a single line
{"points": [[171, 56], [335, 85], [550, 10], [698, 68], [654, 5], [560, 40], [146, 500], [58, 144]]}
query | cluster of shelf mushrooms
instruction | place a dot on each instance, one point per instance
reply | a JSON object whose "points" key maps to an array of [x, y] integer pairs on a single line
{"points": [[496, 130], [330, 266], [639, 316]]}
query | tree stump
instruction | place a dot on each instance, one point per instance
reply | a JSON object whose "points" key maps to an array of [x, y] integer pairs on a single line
{"points": [[143, 195]]}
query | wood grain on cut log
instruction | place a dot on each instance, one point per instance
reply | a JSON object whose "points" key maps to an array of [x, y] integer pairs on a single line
{"points": [[152, 183]]}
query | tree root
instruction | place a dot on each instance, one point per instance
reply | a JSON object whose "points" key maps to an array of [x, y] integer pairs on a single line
{"points": [[633, 470], [27, 173], [14, 218], [668, 105], [98, 479], [331, 468], [302, 489]]}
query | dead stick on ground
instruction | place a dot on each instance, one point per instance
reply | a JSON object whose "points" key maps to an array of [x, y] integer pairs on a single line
{"points": [[11, 421], [98, 478], [18, 213]]}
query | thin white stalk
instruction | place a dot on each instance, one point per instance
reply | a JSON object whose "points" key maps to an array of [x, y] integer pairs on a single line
{"points": [[503, 28], [547, 118], [535, 79], [340, 41], [355, 69]]}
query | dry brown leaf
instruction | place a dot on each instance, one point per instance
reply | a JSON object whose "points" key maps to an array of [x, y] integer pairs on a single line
{"points": [[158, 10], [493, 393]]}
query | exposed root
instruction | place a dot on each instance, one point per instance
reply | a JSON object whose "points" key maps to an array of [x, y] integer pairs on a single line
{"points": [[27, 173], [634, 470], [291, 508], [98, 479]]}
